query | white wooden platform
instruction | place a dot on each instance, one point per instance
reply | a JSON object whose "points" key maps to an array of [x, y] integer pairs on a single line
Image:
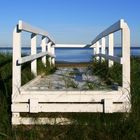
{"points": [[50, 94], [65, 79], [53, 93]]}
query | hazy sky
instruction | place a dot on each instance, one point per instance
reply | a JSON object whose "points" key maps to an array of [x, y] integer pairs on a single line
{"points": [[69, 21]]}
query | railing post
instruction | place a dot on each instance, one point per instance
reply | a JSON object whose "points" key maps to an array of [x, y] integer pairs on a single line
{"points": [[53, 52], [98, 49], [49, 51], [111, 48], [16, 76], [103, 47], [126, 57], [34, 51], [43, 44]]}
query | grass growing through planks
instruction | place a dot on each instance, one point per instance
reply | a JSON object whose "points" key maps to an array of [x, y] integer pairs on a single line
{"points": [[87, 126], [109, 75]]}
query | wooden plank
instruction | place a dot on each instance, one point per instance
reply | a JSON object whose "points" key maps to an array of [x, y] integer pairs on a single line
{"points": [[31, 82], [61, 107], [113, 58], [113, 28], [70, 45], [29, 28], [41, 121], [71, 96], [33, 57], [17, 120]]}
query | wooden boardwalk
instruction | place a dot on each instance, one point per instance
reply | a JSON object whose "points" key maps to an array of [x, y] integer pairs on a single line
{"points": [[67, 79], [68, 89]]}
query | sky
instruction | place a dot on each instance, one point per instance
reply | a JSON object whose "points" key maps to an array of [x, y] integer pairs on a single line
{"points": [[69, 21]]}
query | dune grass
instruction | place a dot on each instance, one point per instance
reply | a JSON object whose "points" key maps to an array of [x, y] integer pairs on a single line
{"points": [[87, 126]]}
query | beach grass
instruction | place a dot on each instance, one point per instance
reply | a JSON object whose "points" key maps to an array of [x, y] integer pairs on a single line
{"points": [[86, 126]]}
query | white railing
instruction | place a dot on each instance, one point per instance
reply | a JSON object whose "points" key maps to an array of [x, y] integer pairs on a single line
{"points": [[125, 41], [36, 101], [47, 49]]}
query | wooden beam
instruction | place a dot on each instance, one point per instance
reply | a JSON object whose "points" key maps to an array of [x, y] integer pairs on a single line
{"points": [[34, 52], [16, 69], [71, 96], [29, 28], [17, 120], [126, 57], [44, 49], [33, 57], [111, 49], [107, 107], [103, 51], [70, 45], [113, 28]]}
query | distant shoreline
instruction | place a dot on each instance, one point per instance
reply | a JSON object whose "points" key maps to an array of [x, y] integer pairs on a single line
{"points": [[72, 64]]}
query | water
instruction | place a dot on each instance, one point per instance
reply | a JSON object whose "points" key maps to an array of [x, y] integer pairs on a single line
{"points": [[74, 54]]}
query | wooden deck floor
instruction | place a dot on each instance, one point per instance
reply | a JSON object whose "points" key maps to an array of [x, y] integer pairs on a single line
{"points": [[67, 79]]}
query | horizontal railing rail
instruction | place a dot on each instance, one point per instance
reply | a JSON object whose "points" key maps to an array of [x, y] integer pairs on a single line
{"points": [[33, 57], [113, 28], [28, 28], [71, 45]]}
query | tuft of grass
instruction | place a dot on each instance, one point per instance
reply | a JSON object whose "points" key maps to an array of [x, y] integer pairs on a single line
{"points": [[45, 70], [109, 75]]}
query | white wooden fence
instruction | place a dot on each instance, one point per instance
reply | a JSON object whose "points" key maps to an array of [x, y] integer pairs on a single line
{"points": [[69, 101], [125, 59], [47, 49]]}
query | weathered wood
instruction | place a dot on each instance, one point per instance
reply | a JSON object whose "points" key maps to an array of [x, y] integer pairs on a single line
{"points": [[40, 121], [71, 96]]}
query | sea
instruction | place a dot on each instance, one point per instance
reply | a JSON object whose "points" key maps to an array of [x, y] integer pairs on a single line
{"points": [[73, 54]]}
